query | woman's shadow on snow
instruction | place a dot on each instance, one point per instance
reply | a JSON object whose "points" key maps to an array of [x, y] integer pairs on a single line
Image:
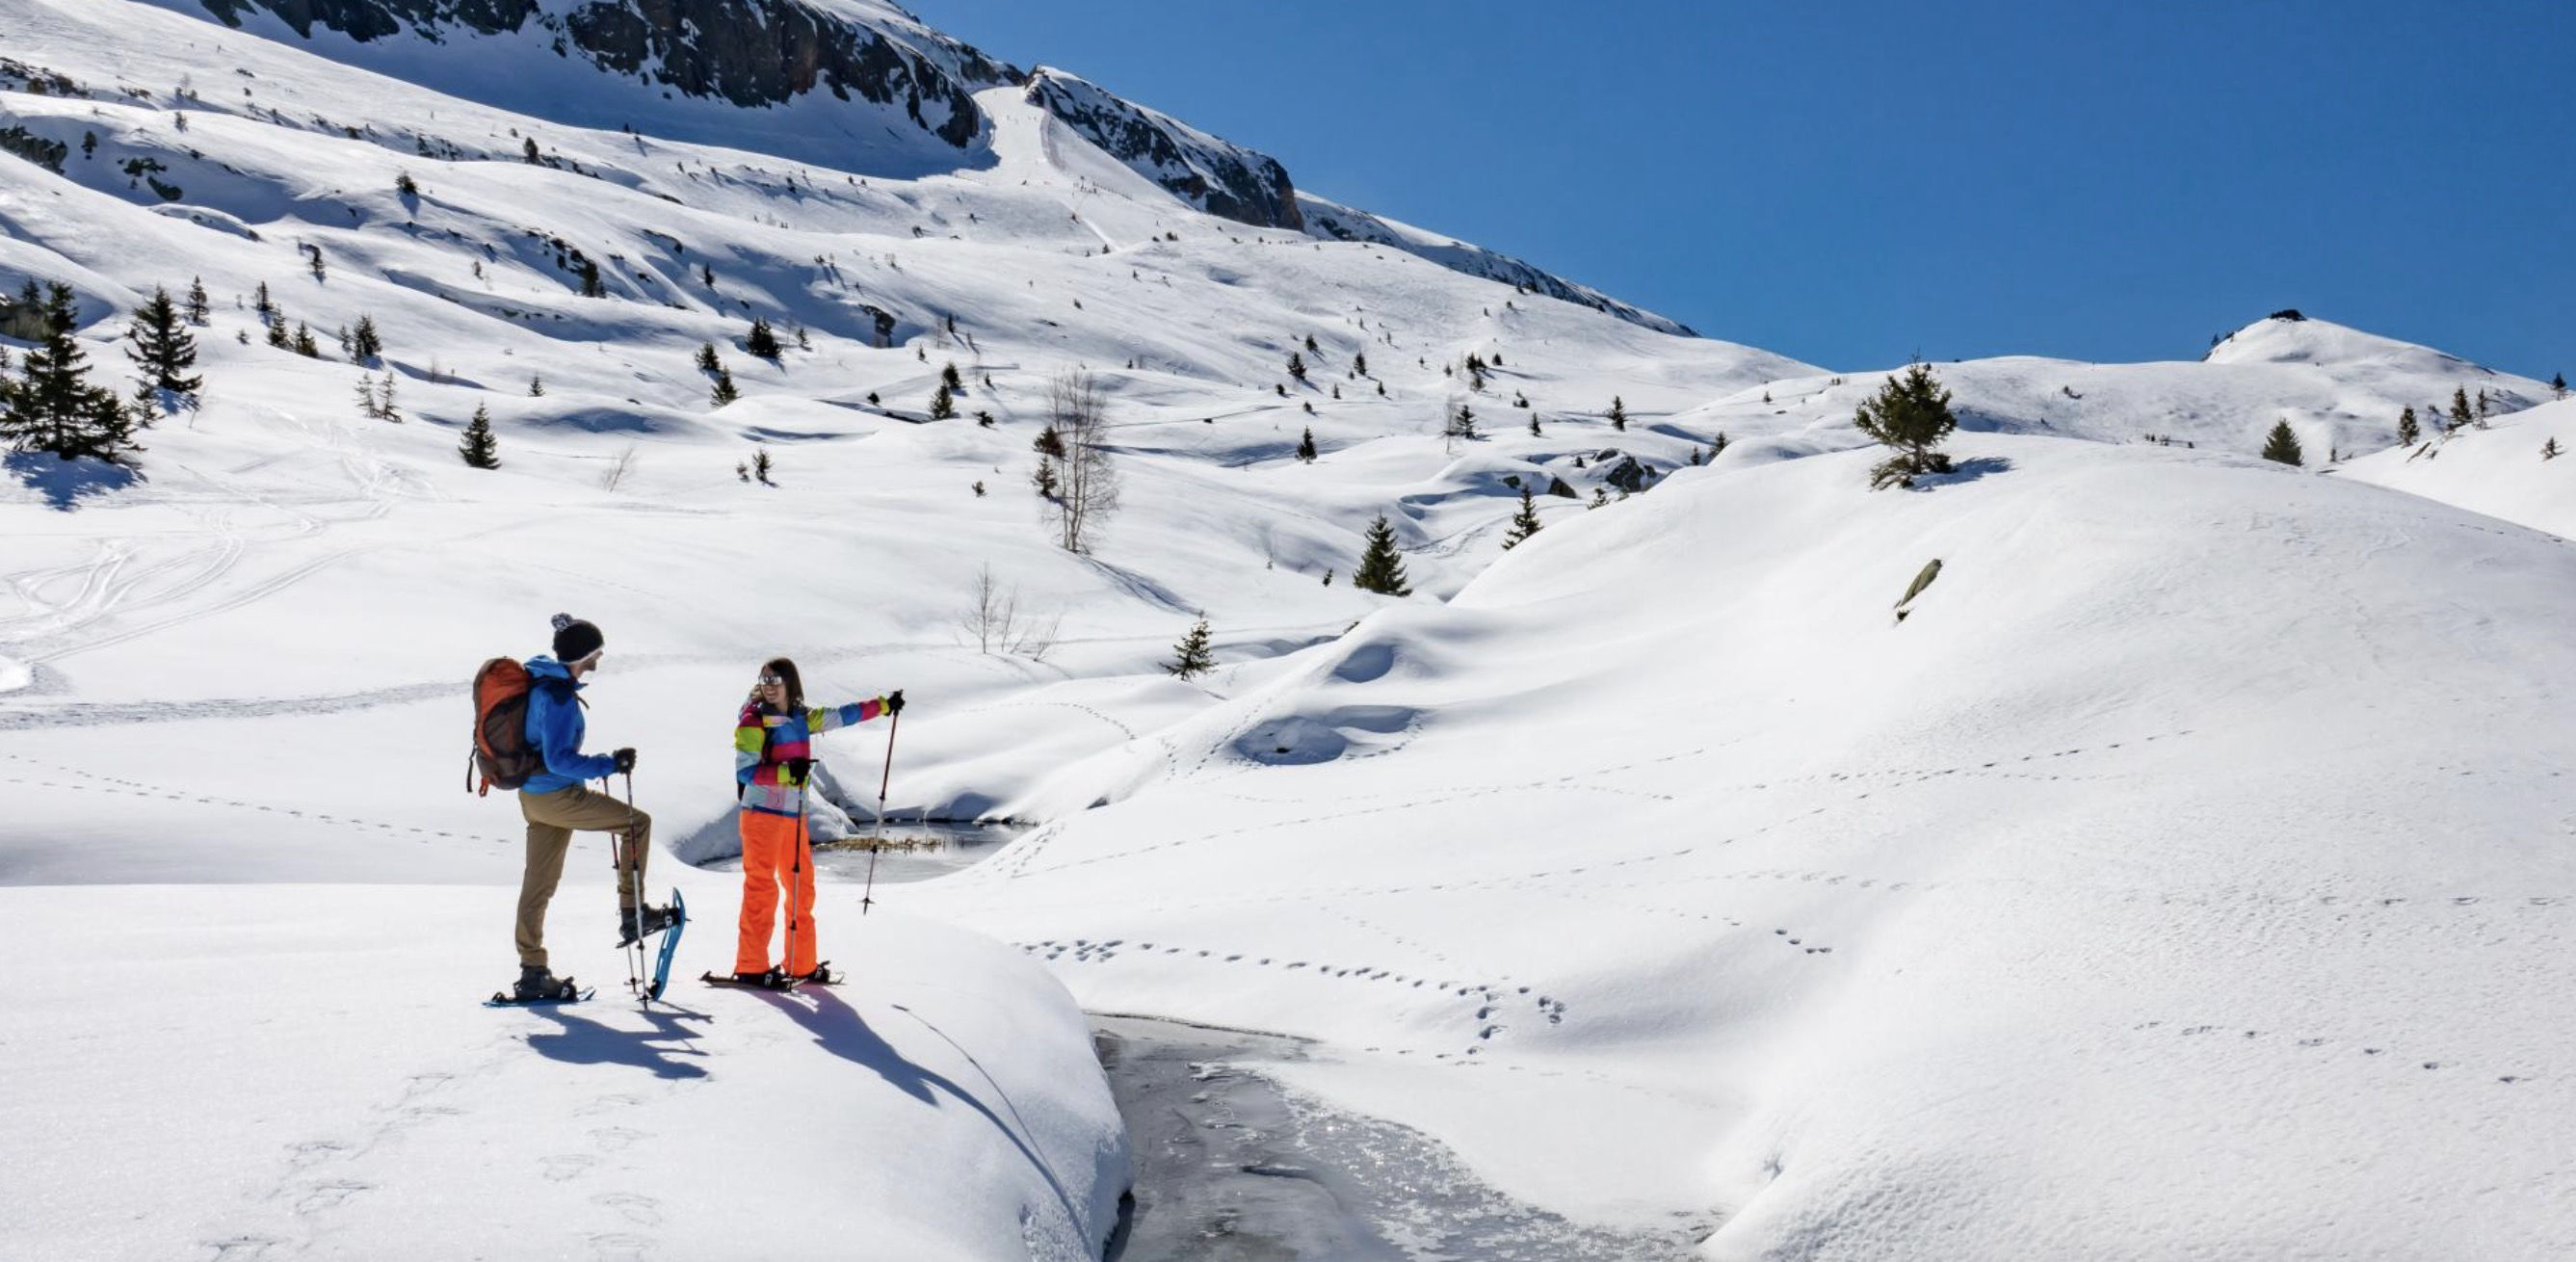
{"points": [[586, 1042], [844, 1033]]}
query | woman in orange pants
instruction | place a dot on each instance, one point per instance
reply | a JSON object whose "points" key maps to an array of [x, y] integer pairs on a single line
{"points": [[773, 758]]}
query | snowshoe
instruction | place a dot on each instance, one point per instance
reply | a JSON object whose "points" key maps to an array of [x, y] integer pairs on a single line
{"points": [[536, 985], [774, 979], [821, 976], [637, 923]]}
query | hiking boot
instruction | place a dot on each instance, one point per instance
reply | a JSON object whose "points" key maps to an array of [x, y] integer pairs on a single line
{"points": [[641, 922], [821, 976], [536, 983]]}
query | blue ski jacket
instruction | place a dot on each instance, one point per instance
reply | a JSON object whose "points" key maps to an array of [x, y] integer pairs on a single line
{"points": [[555, 728]]}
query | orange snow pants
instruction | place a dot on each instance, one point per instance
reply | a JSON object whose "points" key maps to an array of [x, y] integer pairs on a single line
{"points": [[774, 854]]}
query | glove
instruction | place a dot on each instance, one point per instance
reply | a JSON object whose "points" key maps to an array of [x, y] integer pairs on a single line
{"points": [[625, 759], [798, 768], [894, 702]]}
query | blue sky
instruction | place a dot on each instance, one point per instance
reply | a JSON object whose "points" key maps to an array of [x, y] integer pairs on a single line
{"points": [[1855, 181]]}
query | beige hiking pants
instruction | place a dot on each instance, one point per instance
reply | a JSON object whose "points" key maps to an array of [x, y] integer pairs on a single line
{"points": [[552, 820]]}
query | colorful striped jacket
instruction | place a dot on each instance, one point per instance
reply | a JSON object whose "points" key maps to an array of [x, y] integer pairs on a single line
{"points": [[763, 741]]}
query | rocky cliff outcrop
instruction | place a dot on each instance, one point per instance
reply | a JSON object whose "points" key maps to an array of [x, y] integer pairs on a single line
{"points": [[1213, 175], [746, 52]]}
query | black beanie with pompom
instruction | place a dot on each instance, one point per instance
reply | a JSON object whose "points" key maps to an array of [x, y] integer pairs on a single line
{"points": [[575, 639]]}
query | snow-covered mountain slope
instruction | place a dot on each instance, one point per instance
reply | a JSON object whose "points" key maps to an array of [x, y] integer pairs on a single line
{"points": [[2516, 468], [2339, 389], [2182, 877]]}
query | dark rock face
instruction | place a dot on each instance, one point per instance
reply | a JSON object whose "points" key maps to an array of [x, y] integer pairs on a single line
{"points": [[1627, 475], [747, 52], [1222, 179]]}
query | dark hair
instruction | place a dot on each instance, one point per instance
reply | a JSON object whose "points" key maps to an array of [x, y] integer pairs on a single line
{"points": [[786, 670]]}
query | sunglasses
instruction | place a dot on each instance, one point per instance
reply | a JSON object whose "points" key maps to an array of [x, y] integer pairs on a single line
{"points": [[771, 681]]}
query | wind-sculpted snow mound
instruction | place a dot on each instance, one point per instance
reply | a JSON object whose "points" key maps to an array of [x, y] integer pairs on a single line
{"points": [[2176, 877]]}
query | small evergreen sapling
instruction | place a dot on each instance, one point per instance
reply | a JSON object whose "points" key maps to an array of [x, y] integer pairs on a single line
{"points": [[2549, 449], [1297, 366], [2408, 429], [948, 377], [723, 392], [304, 344], [1910, 413], [365, 344], [1524, 523], [760, 464], [2461, 415], [1306, 446], [198, 305], [536, 386], [2282, 445], [478, 446], [2558, 384], [763, 341], [1618, 414], [1381, 568], [1193, 656], [707, 361], [943, 403], [163, 348]]}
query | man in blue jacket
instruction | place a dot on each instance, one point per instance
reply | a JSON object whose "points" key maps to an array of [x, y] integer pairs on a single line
{"points": [[558, 801]]}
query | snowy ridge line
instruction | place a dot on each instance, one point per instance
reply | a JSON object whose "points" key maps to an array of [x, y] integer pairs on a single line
{"points": [[1490, 995], [96, 783]]}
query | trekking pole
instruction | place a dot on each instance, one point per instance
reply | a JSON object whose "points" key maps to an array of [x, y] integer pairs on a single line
{"points": [[867, 897], [796, 874], [625, 841]]}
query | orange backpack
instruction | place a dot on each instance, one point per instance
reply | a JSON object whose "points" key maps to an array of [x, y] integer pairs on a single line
{"points": [[501, 750]]}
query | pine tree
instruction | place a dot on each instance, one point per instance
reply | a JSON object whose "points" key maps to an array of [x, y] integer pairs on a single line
{"points": [[1310, 345], [762, 342], [385, 409], [1048, 443], [1618, 414], [304, 344], [2282, 445], [1193, 655], [2408, 429], [2460, 413], [943, 403], [1718, 447], [52, 407], [277, 335], [1462, 425], [2549, 449], [1044, 479], [2558, 384], [707, 361], [1296, 365], [364, 343], [198, 305], [163, 348], [479, 447], [528, 150], [260, 301], [1381, 570], [536, 386], [1534, 432], [760, 464], [1359, 363], [1306, 446], [1911, 413], [948, 377], [405, 185], [723, 391], [1524, 523]]}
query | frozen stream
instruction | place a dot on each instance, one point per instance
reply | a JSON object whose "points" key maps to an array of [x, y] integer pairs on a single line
{"points": [[1231, 1166]]}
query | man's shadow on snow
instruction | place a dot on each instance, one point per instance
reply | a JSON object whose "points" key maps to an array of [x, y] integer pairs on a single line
{"points": [[844, 1033], [586, 1042]]}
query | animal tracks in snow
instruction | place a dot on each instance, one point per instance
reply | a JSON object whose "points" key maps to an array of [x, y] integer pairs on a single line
{"points": [[1491, 1000], [77, 781], [2294, 1044]]}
